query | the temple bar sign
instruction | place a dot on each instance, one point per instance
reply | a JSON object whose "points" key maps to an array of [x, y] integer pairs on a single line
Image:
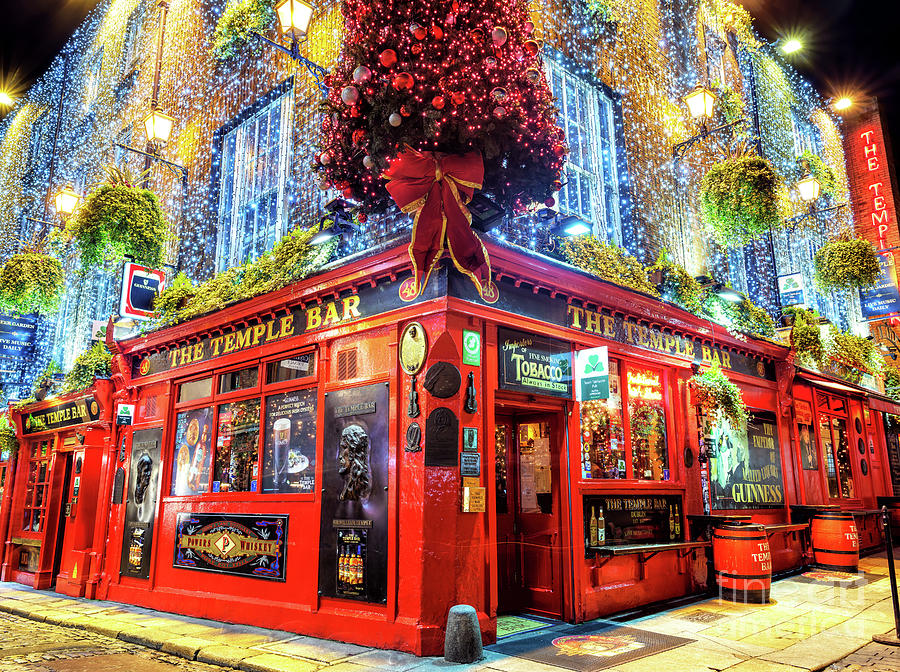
{"points": [[66, 414]]}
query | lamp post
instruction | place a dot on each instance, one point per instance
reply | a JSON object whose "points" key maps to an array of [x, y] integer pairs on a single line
{"points": [[294, 17], [809, 189], [66, 200]]}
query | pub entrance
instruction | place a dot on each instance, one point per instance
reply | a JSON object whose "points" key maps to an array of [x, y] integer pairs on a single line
{"points": [[528, 445]]}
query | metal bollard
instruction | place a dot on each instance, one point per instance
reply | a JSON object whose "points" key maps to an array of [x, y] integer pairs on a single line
{"points": [[890, 638]]}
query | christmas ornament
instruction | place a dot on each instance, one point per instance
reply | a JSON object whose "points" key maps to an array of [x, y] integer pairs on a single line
{"points": [[499, 112], [368, 162], [550, 202], [499, 36], [499, 94], [476, 35], [388, 57], [404, 111], [533, 75], [324, 158], [437, 189], [362, 74], [420, 33], [458, 97], [531, 47], [395, 119], [416, 48], [438, 102], [437, 32], [350, 95], [362, 218], [528, 27], [403, 81]]}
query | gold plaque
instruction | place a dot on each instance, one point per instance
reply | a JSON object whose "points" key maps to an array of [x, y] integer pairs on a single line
{"points": [[473, 500], [413, 348], [471, 482]]}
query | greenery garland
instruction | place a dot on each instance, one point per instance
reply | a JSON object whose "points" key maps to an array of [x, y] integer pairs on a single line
{"points": [[95, 362], [677, 285], [857, 355], [806, 337], [846, 263], [892, 382], [740, 199], [31, 282], [238, 23], [608, 262], [718, 396], [291, 259], [821, 171], [730, 102], [9, 445], [120, 219]]}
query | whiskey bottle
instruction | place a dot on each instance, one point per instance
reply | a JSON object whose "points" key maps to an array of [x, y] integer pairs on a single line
{"points": [[357, 567], [677, 521], [601, 529], [592, 538], [342, 567], [671, 523]]}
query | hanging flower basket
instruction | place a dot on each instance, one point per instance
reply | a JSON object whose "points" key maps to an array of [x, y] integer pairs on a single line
{"points": [[120, 219], [93, 363], [821, 171], [846, 263], [718, 396], [31, 282], [238, 23], [739, 199], [806, 337]]}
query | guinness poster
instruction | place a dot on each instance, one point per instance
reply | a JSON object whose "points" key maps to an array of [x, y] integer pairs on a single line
{"points": [[746, 471], [140, 503], [353, 539], [244, 545]]}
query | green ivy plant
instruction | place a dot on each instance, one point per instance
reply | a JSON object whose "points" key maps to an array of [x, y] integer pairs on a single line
{"points": [[31, 282], [740, 199], [730, 102], [291, 259], [892, 382], [602, 11], [718, 396], [854, 354], [806, 337], [120, 219], [821, 171], [749, 318], [9, 445], [845, 263], [608, 262], [677, 285], [95, 362], [238, 23]]}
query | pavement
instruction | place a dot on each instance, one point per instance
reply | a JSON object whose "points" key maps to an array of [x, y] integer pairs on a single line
{"points": [[806, 627]]}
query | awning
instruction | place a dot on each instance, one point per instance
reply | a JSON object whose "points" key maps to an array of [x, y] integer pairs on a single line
{"points": [[884, 405]]}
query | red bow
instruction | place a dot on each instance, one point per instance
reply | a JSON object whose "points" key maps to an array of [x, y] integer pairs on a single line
{"points": [[437, 188]]}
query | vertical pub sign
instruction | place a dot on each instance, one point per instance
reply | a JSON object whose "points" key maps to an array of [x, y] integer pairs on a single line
{"points": [[353, 540]]}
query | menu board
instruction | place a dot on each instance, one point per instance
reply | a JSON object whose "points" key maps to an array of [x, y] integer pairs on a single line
{"points": [[746, 471], [652, 519], [289, 457]]}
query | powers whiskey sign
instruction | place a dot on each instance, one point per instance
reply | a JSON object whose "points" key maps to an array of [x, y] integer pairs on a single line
{"points": [[246, 545]]}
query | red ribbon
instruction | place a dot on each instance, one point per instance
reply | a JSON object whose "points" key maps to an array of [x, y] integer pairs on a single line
{"points": [[437, 188]]}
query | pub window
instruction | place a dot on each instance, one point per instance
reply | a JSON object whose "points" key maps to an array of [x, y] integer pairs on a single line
{"points": [[591, 173], [37, 486], [835, 445], [254, 169], [259, 440], [624, 436]]}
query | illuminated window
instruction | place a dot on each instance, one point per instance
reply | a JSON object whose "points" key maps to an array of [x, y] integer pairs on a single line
{"points": [[254, 168], [591, 176], [37, 486], [603, 432], [647, 424]]}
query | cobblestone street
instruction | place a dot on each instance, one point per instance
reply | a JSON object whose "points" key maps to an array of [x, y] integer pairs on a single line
{"points": [[29, 646]]}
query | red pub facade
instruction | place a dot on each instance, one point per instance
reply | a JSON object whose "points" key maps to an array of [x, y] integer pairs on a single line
{"points": [[339, 460]]}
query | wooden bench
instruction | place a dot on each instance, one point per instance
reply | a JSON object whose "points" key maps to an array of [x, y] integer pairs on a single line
{"points": [[645, 551]]}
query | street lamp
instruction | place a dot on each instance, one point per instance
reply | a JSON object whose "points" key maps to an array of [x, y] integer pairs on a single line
{"points": [[66, 200], [843, 104], [294, 17], [700, 102], [570, 226], [158, 126], [809, 188], [792, 46]]}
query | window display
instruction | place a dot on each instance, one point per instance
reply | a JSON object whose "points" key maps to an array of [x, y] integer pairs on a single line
{"points": [[647, 421], [289, 462], [603, 433], [237, 447], [193, 452], [746, 470]]}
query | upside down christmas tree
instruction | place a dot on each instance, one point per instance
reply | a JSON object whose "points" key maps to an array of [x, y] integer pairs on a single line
{"points": [[432, 100]]}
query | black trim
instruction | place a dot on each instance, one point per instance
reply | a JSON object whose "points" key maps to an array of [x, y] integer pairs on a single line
{"points": [[827, 550], [762, 538], [756, 577]]}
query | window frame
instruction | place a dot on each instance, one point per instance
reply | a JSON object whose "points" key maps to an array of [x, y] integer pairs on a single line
{"points": [[28, 496], [626, 364], [825, 399], [215, 400]]}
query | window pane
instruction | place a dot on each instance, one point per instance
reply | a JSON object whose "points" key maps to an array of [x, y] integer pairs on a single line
{"points": [[828, 454], [294, 367], [842, 452], [289, 459], [500, 462], [238, 380], [195, 389], [535, 476], [192, 451], [603, 433], [237, 447], [647, 420]]}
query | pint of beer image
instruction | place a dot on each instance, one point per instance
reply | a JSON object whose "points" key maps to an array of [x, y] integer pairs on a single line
{"points": [[282, 431]]}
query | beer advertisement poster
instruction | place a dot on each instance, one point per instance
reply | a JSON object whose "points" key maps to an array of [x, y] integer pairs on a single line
{"points": [[289, 458], [239, 544], [193, 452], [746, 470]]}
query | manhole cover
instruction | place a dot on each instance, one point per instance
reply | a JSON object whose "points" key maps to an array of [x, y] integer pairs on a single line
{"points": [[701, 616]]}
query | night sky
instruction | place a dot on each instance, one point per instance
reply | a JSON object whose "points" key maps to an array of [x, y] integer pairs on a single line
{"points": [[851, 47]]}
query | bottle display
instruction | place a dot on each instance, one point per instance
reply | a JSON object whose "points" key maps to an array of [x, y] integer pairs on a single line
{"points": [[593, 527], [601, 529]]}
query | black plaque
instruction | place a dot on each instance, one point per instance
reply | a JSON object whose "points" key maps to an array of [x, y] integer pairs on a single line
{"points": [[442, 380], [470, 464], [413, 438], [354, 487], [535, 364], [66, 414], [244, 545], [641, 519], [441, 438], [140, 504], [119, 486]]}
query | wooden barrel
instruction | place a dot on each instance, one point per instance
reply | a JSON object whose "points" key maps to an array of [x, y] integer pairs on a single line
{"points": [[835, 541], [742, 562]]}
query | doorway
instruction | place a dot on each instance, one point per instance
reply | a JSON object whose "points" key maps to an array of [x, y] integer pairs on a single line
{"points": [[64, 513], [528, 446]]}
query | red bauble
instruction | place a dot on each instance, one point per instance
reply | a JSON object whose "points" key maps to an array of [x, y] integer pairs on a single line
{"points": [[476, 35], [550, 202], [437, 32], [403, 81], [388, 57], [416, 48], [404, 111], [559, 150], [438, 102], [420, 33], [348, 193], [362, 218], [458, 97], [531, 47]]}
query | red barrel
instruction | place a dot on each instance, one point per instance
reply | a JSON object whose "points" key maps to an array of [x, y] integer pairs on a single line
{"points": [[835, 541], [742, 562]]}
